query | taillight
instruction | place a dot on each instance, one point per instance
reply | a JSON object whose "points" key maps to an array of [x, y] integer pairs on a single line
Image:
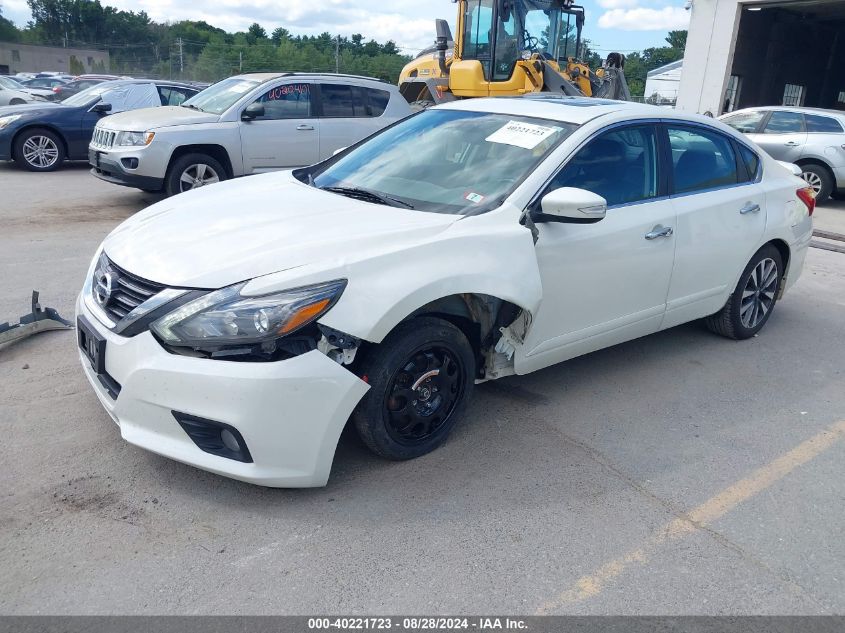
{"points": [[56, 89], [807, 195]]}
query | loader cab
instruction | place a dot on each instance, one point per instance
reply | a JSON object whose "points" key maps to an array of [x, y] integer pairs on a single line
{"points": [[500, 33]]}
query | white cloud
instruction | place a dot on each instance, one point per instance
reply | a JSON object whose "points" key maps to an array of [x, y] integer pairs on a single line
{"points": [[641, 19], [616, 4]]}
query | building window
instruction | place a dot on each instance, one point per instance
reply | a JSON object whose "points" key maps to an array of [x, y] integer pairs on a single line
{"points": [[841, 98], [793, 95], [16, 55], [732, 94]]}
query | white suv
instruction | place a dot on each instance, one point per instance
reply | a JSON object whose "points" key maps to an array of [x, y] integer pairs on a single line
{"points": [[242, 125]]}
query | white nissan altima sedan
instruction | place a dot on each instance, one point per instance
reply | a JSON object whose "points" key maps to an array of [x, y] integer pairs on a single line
{"points": [[238, 327]]}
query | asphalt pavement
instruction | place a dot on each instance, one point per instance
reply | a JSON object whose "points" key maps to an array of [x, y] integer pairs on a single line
{"points": [[681, 473]]}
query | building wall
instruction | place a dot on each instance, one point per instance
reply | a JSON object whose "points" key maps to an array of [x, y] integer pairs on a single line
{"points": [[767, 49], [17, 58], [708, 55], [664, 84]]}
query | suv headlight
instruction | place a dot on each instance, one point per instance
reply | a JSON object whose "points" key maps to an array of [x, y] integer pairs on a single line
{"points": [[5, 120], [134, 139], [224, 318]]}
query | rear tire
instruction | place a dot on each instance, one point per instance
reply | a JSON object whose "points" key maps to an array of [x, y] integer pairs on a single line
{"points": [[820, 179], [421, 377], [753, 300], [39, 149], [192, 171]]}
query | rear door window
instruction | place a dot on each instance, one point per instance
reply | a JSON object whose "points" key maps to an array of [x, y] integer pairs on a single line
{"points": [[782, 122], [822, 124], [701, 159]]}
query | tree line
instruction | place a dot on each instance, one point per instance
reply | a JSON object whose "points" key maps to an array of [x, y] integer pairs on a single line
{"points": [[196, 50]]}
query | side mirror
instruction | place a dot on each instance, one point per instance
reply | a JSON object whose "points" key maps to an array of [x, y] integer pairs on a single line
{"points": [[568, 204], [102, 108], [252, 111], [338, 151]]}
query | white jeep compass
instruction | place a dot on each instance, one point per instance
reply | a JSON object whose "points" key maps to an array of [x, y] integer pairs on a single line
{"points": [[242, 125]]}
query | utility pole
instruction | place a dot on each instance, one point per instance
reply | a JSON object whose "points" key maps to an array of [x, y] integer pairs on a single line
{"points": [[181, 58], [337, 55], [240, 61]]}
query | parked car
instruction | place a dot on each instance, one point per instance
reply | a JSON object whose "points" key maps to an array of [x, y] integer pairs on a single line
{"points": [[239, 326], [243, 125], [812, 138], [40, 136], [11, 93], [43, 86], [63, 91]]}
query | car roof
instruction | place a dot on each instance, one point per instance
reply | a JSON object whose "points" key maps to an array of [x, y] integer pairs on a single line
{"points": [[157, 82], [262, 77], [803, 109], [577, 110]]}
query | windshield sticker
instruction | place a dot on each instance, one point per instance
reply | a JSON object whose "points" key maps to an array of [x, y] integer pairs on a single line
{"points": [[527, 135], [474, 197]]}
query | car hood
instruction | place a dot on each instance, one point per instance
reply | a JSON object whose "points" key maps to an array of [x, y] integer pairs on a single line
{"points": [[245, 228], [30, 109], [151, 118]]}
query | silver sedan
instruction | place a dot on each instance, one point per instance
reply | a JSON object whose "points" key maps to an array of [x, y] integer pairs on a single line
{"points": [[812, 138]]}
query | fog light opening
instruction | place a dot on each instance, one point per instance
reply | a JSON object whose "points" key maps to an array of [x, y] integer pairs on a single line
{"points": [[216, 438]]}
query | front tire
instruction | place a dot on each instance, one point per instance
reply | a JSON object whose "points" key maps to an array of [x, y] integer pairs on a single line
{"points": [[39, 149], [421, 377], [192, 171], [753, 300]]}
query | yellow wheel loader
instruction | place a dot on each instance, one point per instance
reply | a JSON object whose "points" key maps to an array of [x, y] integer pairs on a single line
{"points": [[510, 48]]}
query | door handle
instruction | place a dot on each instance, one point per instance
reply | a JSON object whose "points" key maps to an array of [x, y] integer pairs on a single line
{"points": [[749, 207], [792, 144], [304, 127], [659, 231]]}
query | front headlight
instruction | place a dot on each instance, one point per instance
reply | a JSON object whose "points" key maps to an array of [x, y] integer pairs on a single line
{"points": [[224, 318], [134, 139], [6, 120]]}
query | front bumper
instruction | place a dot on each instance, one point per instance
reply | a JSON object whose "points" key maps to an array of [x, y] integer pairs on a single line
{"points": [[109, 167], [290, 413], [839, 175], [6, 144]]}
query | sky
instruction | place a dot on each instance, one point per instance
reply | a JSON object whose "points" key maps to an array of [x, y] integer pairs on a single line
{"points": [[621, 25]]}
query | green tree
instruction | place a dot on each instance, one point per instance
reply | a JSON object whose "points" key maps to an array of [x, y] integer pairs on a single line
{"points": [[8, 31], [256, 32], [279, 34], [677, 39]]}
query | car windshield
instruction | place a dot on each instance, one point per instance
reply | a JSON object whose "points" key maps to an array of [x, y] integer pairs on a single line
{"points": [[221, 96], [88, 95], [445, 161], [9, 84]]}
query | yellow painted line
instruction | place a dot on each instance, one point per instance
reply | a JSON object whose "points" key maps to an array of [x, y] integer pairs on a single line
{"points": [[711, 510]]}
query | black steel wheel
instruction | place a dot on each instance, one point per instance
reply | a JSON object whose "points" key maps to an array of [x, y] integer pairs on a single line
{"points": [[420, 378]]}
